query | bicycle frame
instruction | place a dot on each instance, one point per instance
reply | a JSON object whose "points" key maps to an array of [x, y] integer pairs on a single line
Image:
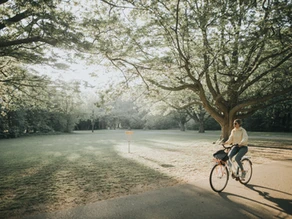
{"points": [[221, 171], [231, 168], [234, 168]]}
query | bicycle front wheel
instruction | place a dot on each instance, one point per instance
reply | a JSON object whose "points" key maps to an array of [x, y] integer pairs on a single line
{"points": [[247, 166], [219, 177]]}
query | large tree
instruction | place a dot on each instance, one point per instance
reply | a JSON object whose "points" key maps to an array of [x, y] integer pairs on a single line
{"points": [[235, 56]]}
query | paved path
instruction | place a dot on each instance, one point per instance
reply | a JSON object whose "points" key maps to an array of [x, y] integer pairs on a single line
{"points": [[268, 195]]}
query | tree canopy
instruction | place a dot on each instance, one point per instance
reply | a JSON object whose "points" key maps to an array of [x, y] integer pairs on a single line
{"points": [[29, 30], [28, 26], [235, 56]]}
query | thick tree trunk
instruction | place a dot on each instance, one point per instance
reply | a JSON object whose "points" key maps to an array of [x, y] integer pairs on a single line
{"points": [[202, 119], [202, 127], [226, 127], [182, 126], [225, 132]]}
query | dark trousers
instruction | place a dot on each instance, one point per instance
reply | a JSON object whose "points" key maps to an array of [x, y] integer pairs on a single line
{"points": [[240, 151]]}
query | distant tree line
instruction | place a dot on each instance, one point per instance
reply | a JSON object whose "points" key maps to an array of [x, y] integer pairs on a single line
{"points": [[21, 122]]}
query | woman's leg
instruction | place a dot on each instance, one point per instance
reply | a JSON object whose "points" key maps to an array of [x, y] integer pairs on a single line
{"points": [[241, 152], [233, 151], [231, 154]]}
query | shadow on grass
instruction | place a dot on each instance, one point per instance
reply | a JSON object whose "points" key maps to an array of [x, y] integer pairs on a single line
{"points": [[67, 172], [25, 186]]}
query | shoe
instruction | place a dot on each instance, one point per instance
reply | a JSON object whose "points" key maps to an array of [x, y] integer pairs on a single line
{"points": [[243, 173]]}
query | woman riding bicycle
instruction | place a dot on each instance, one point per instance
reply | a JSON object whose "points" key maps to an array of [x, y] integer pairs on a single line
{"points": [[239, 138]]}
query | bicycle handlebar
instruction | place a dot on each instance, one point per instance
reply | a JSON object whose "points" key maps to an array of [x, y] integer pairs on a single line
{"points": [[228, 148]]}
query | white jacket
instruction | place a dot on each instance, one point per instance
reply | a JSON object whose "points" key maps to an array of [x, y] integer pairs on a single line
{"points": [[238, 136]]}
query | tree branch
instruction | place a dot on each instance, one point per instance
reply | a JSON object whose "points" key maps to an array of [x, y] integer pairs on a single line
{"points": [[118, 6], [259, 100], [52, 42], [16, 18], [260, 76], [3, 1], [178, 88], [132, 64]]}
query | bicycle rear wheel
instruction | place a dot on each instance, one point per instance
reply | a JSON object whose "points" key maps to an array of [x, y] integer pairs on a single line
{"points": [[247, 166], [219, 177]]}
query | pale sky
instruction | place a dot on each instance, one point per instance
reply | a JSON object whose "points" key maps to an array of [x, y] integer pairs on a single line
{"points": [[97, 76]]}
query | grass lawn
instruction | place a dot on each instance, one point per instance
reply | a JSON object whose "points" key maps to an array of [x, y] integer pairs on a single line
{"points": [[48, 173]]}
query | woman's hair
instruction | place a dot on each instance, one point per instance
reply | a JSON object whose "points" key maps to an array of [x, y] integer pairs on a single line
{"points": [[238, 121]]}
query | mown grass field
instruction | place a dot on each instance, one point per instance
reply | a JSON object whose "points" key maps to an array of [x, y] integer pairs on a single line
{"points": [[48, 173]]}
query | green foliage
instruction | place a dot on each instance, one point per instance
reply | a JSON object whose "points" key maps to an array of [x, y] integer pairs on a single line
{"points": [[28, 26], [86, 125], [16, 123], [56, 111], [123, 114], [29, 29], [160, 122], [234, 56], [19, 88], [276, 118]]}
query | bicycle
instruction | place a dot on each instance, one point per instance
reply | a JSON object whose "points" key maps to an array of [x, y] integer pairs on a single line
{"points": [[220, 172]]}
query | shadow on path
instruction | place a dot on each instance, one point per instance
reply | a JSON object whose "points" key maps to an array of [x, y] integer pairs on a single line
{"points": [[282, 203]]}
